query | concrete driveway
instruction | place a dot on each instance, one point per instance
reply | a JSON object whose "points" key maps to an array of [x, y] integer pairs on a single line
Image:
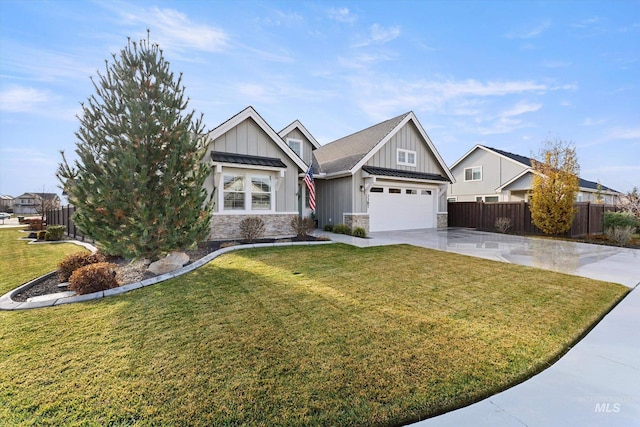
{"points": [[597, 383]]}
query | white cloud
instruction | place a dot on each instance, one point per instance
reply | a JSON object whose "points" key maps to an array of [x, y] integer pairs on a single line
{"points": [[530, 33], [521, 107], [21, 99], [591, 122], [171, 29], [379, 35], [279, 18], [624, 133], [342, 14]]}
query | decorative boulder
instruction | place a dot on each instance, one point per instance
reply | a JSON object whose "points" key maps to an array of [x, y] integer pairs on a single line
{"points": [[169, 263]]}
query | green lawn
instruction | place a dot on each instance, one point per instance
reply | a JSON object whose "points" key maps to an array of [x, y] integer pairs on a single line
{"points": [[308, 335], [21, 262]]}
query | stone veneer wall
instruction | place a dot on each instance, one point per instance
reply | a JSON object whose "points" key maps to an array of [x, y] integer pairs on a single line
{"points": [[227, 227], [443, 219], [356, 220]]}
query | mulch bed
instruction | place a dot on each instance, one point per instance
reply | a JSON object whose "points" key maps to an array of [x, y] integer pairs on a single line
{"points": [[131, 272]]}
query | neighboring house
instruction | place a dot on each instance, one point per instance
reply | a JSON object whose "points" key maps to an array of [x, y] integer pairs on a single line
{"points": [[490, 175], [386, 177], [32, 203], [6, 203], [256, 173]]}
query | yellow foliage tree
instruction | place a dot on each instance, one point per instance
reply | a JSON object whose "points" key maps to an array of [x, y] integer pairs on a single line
{"points": [[555, 186]]}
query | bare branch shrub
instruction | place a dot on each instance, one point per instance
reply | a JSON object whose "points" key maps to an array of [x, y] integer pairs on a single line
{"points": [[251, 228], [620, 235], [503, 224], [303, 226]]}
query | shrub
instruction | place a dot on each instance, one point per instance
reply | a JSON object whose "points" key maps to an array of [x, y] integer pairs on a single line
{"points": [[251, 228], [328, 227], [359, 232], [341, 229], [93, 278], [503, 224], [42, 234], [619, 219], [72, 262], [303, 226], [620, 235], [35, 224], [55, 232]]}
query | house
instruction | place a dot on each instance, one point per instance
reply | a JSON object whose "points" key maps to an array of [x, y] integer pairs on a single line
{"points": [[33, 203], [490, 175], [6, 203], [386, 177], [256, 172]]}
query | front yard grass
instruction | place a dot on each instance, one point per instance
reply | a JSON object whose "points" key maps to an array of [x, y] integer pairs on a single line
{"points": [[307, 335], [21, 262]]}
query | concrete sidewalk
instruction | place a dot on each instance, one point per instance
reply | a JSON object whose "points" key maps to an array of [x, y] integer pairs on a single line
{"points": [[597, 383]]}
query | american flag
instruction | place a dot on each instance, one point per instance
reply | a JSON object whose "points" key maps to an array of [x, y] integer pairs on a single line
{"points": [[311, 188]]}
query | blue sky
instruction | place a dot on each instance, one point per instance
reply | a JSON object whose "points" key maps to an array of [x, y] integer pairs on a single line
{"points": [[507, 74]]}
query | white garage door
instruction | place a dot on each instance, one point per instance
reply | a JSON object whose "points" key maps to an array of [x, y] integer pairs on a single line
{"points": [[397, 208]]}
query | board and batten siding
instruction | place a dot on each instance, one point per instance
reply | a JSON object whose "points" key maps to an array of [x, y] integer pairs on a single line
{"points": [[248, 138], [333, 198], [407, 138], [307, 147], [496, 170]]}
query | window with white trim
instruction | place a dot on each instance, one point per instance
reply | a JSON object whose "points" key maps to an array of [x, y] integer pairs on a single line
{"points": [[247, 192], [473, 174], [406, 157], [233, 190], [295, 145], [260, 193]]}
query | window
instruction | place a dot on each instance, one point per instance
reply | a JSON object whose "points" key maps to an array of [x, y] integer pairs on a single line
{"points": [[473, 174], [452, 199], [409, 191], [295, 145], [395, 191], [406, 157], [260, 193], [233, 192], [488, 199], [241, 192], [426, 192], [377, 189]]}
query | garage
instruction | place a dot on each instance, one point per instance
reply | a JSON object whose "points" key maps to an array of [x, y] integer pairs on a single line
{"points": [[401, 208]]}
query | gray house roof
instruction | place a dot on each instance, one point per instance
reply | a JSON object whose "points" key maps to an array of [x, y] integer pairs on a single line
{"points": [[526, 161], [344, 153]]}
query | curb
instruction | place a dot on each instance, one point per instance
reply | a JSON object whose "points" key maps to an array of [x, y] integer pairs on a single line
{"points": [[6, 303]]}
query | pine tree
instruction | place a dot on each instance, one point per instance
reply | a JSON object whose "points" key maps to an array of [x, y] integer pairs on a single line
{"points": [[138, 180], [555, 186]]}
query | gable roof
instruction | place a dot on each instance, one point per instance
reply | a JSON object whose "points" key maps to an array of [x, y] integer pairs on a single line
{"points": [[34, 195], [347, 155], [251, 113], [297, 124], [526, 161]]}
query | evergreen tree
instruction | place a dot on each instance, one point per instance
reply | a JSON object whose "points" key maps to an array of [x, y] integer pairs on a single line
{"points": [[555, 186], [138, 180]]}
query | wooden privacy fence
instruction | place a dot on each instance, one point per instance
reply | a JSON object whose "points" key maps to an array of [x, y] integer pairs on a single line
{"points": [[480, 215], [62, 216]]}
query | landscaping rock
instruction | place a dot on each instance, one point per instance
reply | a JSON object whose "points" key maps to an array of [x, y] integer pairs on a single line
{"points": [[169, 263]]}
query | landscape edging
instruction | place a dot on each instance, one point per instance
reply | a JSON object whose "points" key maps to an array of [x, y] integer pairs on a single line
{"points": [[7, 303]]}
